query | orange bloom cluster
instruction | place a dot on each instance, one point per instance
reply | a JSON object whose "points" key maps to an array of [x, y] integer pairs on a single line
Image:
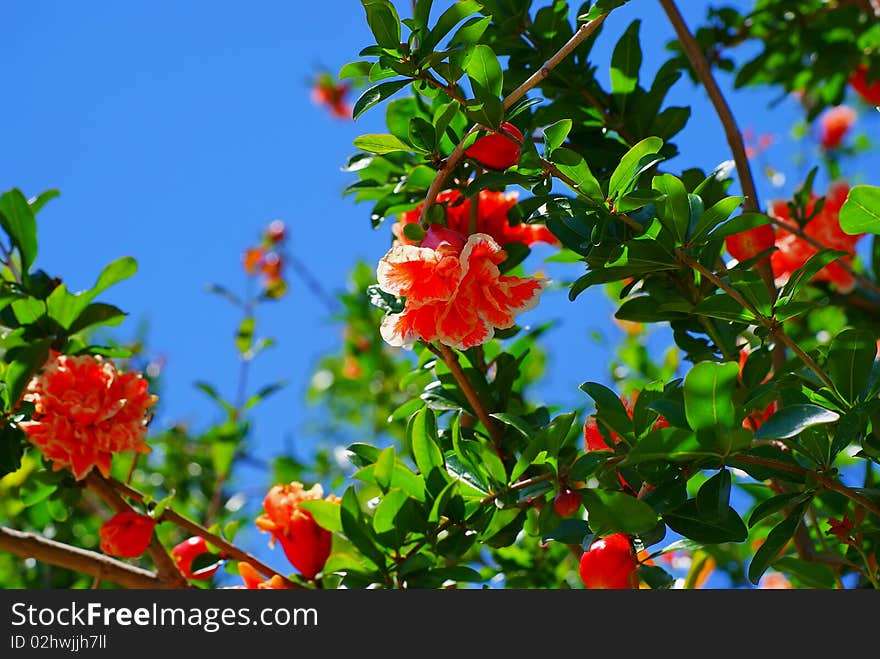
{"points": [[870, 92], [253, 580], [825, 228], [492, 208], [85, 411], [834, 124], [330, 94], [453, 288], [267, 260], [126, 534], [306, 545]]}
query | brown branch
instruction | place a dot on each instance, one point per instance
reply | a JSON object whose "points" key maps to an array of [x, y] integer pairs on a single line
{"points": [[166, 568], [704, 73], [99, 566], [449, 358], [825, 481], [172, 516], [579, 36], [774, 327]]}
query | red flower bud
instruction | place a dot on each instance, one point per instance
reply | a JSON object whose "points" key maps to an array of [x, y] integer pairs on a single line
{"points": [[567, 503], [276, 232], [609, 564], [126, 534], [497, 150], [188, 551], [747, 244], [834, 124]]}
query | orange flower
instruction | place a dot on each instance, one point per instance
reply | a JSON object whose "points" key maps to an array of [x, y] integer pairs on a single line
{"points": [[859, 81], [85, 411], [252, 258], [793, 251], [775, 581], [454, 291], [306, 545], [126, 534], [331, 95], [492, 208], [253, 580], [834, 124]]}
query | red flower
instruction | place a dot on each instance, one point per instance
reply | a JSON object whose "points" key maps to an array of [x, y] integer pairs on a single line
{"points": [[748, 244], [306, 545], [276, 232], [252, 258], [859, 81], [834, 124], [454, 291], [253, 580], [331, 94], [842, 529], [567, 503], [497, 150], [188, 551], [492, 208], [609, 564], [126, 534], [85, 411], [793, 251]]}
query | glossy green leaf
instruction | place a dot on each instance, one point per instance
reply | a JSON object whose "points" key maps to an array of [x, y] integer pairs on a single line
{"points": [[422, 431], [778, 537], [850, 362], [484, 72], [626, 61], [640, 157], [578, 173], [376, 94], [384, 22], [708, 395], [555, 134], [449, 19], [17, 219], [674, 209], [384, 467], [326, 513], [687, 520], [381, 143], [612, 512], [791, 420], [860, 212]]}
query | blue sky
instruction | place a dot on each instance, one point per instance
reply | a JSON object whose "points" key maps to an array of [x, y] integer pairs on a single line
{"points": [[176, 131]]}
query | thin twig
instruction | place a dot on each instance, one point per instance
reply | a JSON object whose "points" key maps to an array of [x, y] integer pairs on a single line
{"points": [[99, 566], [437, 184], [449, 358], [166, 569], [172, 516]]}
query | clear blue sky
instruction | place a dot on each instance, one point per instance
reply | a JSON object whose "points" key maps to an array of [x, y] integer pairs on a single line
{"points": [[176, 131]]}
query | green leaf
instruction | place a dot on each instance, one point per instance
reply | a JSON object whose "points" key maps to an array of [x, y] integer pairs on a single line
{"points": [[850, 361], [65, 307], [326, 513], [637, 199], [860, 212], [484, 72], [626, 61], [713, 216], [421, 134], [41, 199], [357, 532], [355, 70], [639, 158], [674, 210], [449, 19], [806, 272], [713, 497], [97, 313], [610, 512], [28, 310], [384, 22], [471, 31], [708, 395], [17, 218], [377, 94], [244, 335], [569, 532], [573, 166], [791, 420], [384, 466], [601, 7], [777, 503], [555, 134], [264, 393], [385, 515], [656, 577], [22, 363], [811, 575], [381, 143], [11, 448], [687, 520], [667, 444], [422, 432], [34, 491], [738, 224], [215, 396], [776, 540]]}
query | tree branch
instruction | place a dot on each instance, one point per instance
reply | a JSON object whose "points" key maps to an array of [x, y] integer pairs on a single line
{"points": [[170, 515], [579, 36], [99, 566]]}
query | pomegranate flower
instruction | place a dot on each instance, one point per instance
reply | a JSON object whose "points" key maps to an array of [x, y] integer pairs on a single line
{"points": [[126, 534], [253, 580], [454, 292], [85, 411], [834, 124], [825, 228], [332, 95], [870, 92], [306, 545], [492, 209]]}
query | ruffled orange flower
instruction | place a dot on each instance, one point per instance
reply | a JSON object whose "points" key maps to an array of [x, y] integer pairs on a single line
{"points": [[306, 545], [492, 219], [85, 411], [253, 580], [454, 291], [793, 251], [834, 124], [126, 534]]}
